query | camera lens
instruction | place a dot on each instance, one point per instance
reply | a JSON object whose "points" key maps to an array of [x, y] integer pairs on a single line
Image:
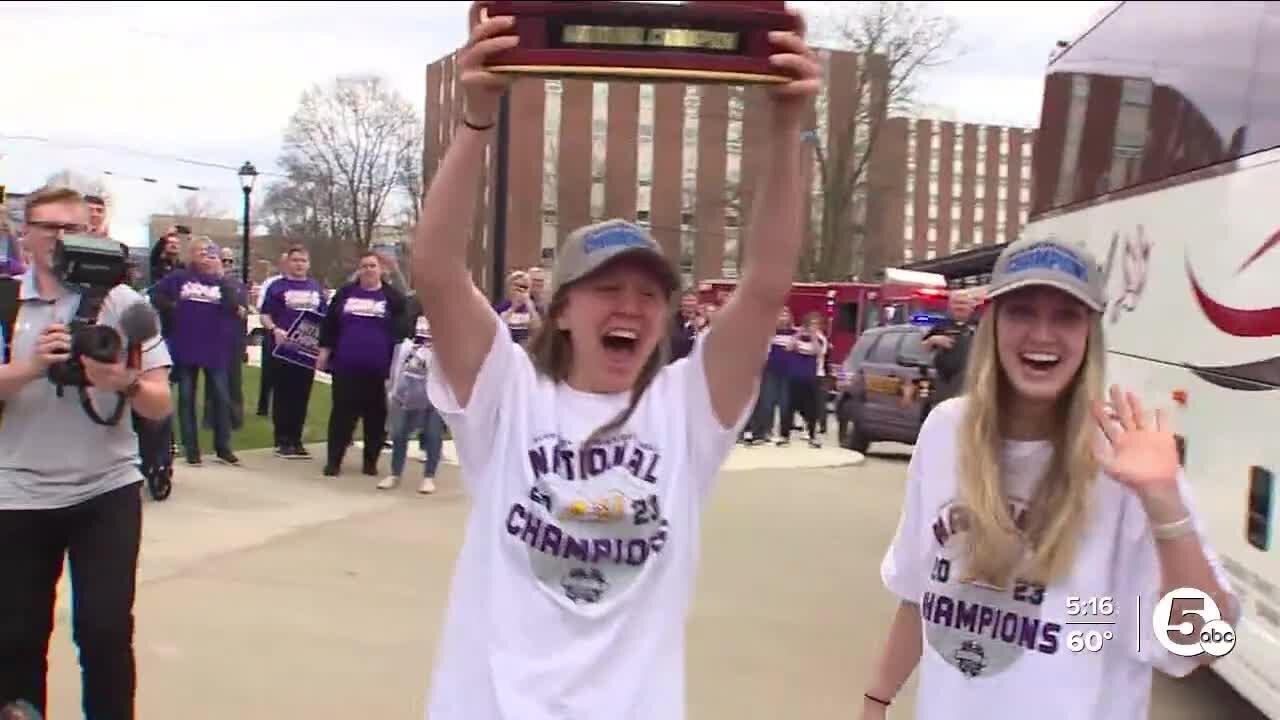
{"points": [[100, 342]]}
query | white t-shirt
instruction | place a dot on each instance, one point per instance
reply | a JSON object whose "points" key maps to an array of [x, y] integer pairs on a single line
{"points": [[1004, 654], [571, 590]]}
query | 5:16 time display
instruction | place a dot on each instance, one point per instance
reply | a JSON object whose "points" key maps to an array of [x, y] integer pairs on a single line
{"points": [[1094, 605]]}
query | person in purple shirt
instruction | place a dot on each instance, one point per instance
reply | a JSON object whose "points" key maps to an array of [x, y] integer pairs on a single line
{"points": [[807, 351], [284, 302], [10, 251], [775, 385], [519, 312], [357, 339], [201, 307]]}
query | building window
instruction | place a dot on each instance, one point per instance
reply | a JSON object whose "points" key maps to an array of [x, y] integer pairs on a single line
{"points": [[550, 152]]}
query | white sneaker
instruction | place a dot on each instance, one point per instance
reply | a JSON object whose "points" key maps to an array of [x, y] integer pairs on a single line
{"points": [[427, 487], [389, 482]]}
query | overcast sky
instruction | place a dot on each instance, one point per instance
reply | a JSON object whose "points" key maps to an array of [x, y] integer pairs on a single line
{"points": [[124, 87]]}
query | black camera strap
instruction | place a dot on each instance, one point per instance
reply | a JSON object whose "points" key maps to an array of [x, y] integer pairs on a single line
{"points": [[8, 312], [91, 301], [86, 403], [8, 318]]}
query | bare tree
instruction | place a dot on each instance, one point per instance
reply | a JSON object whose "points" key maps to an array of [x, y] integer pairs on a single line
{"points": [[409, 179], [348, 147], [199, 206], [305, 210], [895, 42]]}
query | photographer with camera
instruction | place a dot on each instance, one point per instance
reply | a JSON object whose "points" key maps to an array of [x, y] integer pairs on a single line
{"points": [[69, 481]]}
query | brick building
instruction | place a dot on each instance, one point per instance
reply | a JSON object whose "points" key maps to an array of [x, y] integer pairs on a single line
{"points": [[949, 186], [681, 159]]}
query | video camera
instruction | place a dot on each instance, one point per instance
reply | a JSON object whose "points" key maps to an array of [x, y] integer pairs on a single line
{"points": [[93, 266]]}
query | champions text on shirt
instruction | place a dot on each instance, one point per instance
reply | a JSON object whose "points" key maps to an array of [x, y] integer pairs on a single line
{"points": [[994, 653], [577, 569]]}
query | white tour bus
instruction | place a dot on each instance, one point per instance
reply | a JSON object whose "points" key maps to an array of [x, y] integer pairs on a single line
{"points": [[1159, 145]]}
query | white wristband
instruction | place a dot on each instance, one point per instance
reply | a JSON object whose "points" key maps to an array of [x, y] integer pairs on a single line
{"points": [[1173, 530]]}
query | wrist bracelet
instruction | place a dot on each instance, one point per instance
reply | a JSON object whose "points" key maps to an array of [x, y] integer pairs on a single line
{"points": [[875, 699], [477, 128], [1175, 529]]}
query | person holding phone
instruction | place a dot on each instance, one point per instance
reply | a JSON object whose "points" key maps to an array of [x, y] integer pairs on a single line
{"points": [[519, 311]]}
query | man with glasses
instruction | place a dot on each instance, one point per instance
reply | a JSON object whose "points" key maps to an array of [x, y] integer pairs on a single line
{"points": [[235, 385], [69, 487]]}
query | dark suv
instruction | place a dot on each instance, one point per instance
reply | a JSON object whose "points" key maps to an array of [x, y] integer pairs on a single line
{"points": [[885, 385]]}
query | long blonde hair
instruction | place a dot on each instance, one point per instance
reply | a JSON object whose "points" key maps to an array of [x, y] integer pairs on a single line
{"points": [[1058, 510]]}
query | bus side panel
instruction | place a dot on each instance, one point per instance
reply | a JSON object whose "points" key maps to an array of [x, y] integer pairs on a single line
{"points": [[1179, 257]]}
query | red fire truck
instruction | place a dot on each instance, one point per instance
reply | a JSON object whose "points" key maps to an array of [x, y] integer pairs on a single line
{"points": [[848, 308]]}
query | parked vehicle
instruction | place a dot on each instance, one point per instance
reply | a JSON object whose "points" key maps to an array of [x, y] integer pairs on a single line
{"points": [[884, 386]]}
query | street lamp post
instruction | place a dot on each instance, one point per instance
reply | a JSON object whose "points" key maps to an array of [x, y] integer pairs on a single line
{"points": [[248, 174], [503, 148]]}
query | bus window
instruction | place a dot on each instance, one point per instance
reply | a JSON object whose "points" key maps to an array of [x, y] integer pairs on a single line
{"points": [[1261, 504]]}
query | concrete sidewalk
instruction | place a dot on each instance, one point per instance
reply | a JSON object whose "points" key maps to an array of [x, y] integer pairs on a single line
{"points": [[270, 591], [218, 509]]}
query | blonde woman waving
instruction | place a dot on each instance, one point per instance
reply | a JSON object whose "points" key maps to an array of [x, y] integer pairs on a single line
{"points": [[1030, 491]]}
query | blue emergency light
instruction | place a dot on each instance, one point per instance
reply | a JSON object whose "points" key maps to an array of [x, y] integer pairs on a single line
{"points": [[926, 319]]}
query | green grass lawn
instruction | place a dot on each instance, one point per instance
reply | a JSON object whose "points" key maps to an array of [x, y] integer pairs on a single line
{"points": [[257, 431]]}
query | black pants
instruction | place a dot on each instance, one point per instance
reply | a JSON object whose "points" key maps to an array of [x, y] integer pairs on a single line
{"points": [[155, 449], [291, 394], [101, 537], [267, 380], [360, 397], [803, 398]]}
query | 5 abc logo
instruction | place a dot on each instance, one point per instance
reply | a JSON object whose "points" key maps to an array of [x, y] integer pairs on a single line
{"points": [[1174, 631]]}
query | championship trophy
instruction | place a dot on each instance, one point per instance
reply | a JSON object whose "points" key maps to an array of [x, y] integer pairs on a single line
{"points": [[705, 41]]}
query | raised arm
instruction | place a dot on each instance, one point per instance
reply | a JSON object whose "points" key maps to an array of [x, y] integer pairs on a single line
{"points": [[738, 342], [461, 320]]}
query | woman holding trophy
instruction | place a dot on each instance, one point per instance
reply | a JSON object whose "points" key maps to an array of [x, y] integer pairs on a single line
{"points": [[588, 459]]}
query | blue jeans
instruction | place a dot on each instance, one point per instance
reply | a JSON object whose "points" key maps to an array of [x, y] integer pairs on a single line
{"points": [[427, 425], [219, 414], [775, 395]]}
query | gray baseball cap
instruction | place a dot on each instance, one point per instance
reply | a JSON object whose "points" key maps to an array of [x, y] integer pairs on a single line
{"points": [[1049, 262], [590, 248]]}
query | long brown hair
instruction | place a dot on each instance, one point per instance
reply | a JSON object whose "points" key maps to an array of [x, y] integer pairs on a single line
{"points": [[1059, 508], [552, 354]]}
